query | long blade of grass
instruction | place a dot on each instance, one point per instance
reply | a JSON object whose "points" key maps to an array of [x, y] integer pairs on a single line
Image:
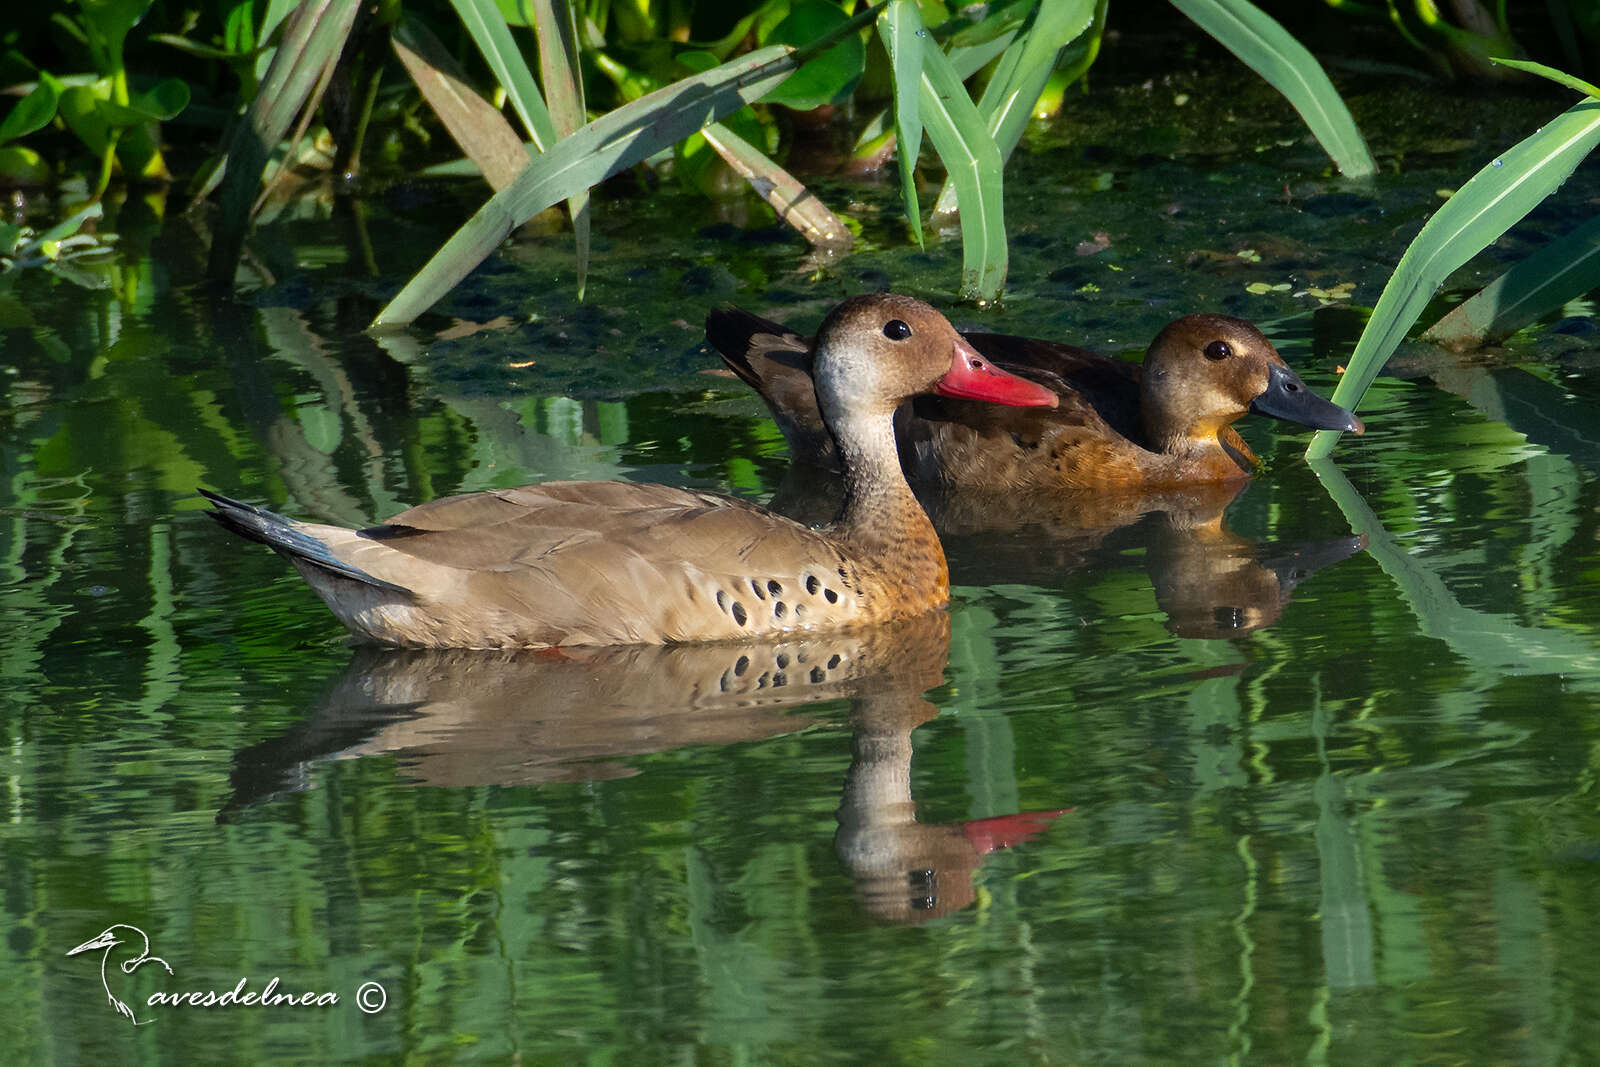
{"points": [[1020, 76], [900, 28], [476, 125], [793, 202], [969, 51], [1496, 198], [557, 33], [1559, 271], [973, 162], [277, 11], [1055, 26], [311, 43], [488, 29], [1268, 49], [595, 152], [1560, 77]]}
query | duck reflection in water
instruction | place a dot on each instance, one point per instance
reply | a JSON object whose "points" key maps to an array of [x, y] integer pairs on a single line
{"points": [[1209, 581], [461, 718]]}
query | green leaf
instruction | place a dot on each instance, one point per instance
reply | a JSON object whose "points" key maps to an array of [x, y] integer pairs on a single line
{"points": [[164, 101], [973, 162], [1560, 77], [830, 75], [490, 33], [594, 153], [516, 13], [997, 28], [21, 165], [33, 112], [1558, 272], [80, 108], [900, 28], [239, 28], [107, 23], [1496, 198], [1269, 50]]}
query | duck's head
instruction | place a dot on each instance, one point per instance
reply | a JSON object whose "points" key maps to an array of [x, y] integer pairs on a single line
{"points": [[874, 352], [1204, 371]]}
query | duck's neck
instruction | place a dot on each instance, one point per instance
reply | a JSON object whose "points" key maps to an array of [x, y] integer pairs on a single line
{"points": [[880, 515], [1211, 443], [1167, 428]]}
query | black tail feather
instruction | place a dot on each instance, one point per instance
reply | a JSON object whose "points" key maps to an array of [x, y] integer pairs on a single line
{"points": [[738, 336], [284, 537]]}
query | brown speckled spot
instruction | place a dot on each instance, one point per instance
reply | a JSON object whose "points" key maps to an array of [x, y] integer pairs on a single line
{"points": [[783, 661], [818, 675]]}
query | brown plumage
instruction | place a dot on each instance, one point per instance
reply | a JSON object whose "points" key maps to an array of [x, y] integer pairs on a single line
{"points": [[604, 563], [1117, 424]]}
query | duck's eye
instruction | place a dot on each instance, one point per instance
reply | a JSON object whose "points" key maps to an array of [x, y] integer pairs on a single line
{"points": [[1218, 350], [895, 330]]}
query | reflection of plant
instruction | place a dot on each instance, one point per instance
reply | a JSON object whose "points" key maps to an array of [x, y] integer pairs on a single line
{"points": [[58, 249]]}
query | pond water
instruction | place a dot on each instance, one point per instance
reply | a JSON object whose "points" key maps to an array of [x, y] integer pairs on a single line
{"points": [[1220, 783]]}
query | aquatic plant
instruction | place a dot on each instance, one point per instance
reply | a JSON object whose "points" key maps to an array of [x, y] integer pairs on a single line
{"points": [[1490, 203], [965, 82], [118, 122], [1023, 41]]}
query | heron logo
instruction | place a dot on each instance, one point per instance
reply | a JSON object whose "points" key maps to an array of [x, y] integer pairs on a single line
{"points": [[110, 938], [370, 997]]}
